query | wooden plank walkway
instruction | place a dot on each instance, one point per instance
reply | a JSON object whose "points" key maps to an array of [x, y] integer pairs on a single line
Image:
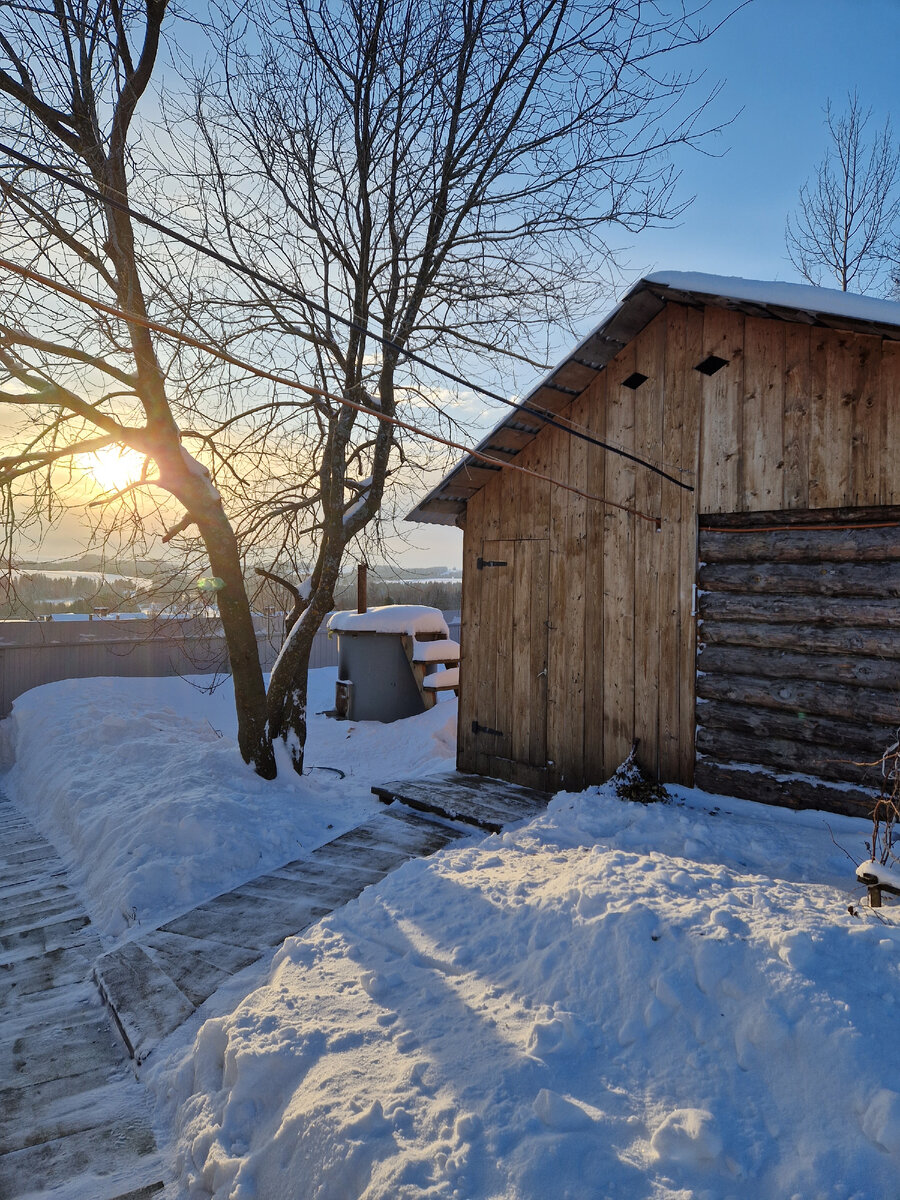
{"points": [[72, 1114], [487, 804], [152, 985]]}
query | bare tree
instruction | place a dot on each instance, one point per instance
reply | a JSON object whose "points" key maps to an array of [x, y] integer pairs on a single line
{"points": [[447, 177], [76, 381], [846, 214]]}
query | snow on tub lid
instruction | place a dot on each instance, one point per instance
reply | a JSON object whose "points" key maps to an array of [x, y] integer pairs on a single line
{"points": [[392, 618]]}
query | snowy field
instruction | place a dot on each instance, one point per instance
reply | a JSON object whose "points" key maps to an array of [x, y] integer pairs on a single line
{"points": [[614, 1000]]}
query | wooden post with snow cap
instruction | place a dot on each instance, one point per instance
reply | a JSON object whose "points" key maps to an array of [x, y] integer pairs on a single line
{"points": [[362, 576]]}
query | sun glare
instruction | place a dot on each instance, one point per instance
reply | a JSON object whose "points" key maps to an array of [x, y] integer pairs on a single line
{"points": [[113, 468]]}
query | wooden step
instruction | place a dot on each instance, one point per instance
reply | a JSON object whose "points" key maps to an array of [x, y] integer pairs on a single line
{"points": [[488, 804]]}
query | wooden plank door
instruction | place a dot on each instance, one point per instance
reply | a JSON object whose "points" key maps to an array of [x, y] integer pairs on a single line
{"points": [[510, 703]]}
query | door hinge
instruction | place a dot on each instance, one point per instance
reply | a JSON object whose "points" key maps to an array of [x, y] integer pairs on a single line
{"points": [[481, 563], [476, 728]]}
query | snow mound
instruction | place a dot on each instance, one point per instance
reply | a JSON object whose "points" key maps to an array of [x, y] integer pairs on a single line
{"points": [[140, 786], [614, 1000], [688, 1137]]}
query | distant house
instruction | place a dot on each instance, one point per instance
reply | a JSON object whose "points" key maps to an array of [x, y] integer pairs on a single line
{"points": [[751, 644]]}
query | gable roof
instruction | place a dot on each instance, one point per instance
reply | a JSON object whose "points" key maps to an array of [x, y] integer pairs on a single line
{"points": [[795, 302]]}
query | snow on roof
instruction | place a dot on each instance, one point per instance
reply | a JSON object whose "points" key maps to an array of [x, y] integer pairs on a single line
{"points": [[392, 618], [800, 296]]}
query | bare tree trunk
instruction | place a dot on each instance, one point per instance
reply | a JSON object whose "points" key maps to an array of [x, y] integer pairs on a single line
{"points": [[288, 685]]}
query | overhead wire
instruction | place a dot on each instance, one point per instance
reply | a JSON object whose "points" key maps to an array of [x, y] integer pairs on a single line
{"points": [[159, 327], [547, 417]]}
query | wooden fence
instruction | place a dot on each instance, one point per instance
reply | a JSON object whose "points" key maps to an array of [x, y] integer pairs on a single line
{"points": [[37, 652]]}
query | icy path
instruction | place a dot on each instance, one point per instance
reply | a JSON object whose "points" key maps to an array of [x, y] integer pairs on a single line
{"points": [[72, 1115]]}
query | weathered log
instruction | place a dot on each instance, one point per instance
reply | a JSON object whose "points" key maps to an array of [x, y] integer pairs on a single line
{"points": [[767, 788], [780, 664], [725, 606], [802, 545], [802, 758], [810, 579], [871, 515], [796, 696], [858, 739], [815, 639]]}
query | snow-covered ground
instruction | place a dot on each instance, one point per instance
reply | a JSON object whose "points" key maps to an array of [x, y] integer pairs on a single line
{"points": [[614, 1000], [140, 786]]}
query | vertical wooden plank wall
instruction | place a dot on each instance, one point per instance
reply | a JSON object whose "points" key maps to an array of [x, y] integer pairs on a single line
{"points": [[800, 417], [816, 412], [618, 593]]}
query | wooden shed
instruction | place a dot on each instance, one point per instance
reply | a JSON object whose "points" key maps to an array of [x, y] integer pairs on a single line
{"points": [[750, 643]]}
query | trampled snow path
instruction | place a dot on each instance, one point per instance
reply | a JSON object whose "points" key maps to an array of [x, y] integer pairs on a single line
{"points": [[156, 982], [72, 1115]]}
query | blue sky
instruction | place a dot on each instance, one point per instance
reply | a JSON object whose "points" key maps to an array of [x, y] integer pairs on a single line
{"points": [[780, 61]]}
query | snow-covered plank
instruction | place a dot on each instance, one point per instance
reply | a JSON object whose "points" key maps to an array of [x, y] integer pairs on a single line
{"points": [[38, 939], [72, 1118], [443, 650], [154, 984], [57, 969], [118, 1154], [197, 967], [441, 681]]}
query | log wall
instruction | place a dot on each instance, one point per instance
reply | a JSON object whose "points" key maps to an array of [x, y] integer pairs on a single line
{"points": [[800, 418], [799, 663]]}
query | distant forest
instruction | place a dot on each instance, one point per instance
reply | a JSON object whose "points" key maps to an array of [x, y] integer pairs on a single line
{"points": [[28, 595]]}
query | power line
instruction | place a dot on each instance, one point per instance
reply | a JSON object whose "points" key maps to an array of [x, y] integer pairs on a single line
{"points": [[233, 264], [111, 310]]}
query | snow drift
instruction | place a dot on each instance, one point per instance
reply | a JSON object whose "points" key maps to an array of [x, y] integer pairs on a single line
{"points": [[612, 1001]]}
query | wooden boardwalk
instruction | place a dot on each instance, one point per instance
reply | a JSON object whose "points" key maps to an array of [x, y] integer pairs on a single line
{"points": [[476, 800], [71, 1111], [72, 1114], [152, 985]]}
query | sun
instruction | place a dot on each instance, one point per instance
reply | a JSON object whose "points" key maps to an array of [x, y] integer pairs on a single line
{"points": [[113, 468]]}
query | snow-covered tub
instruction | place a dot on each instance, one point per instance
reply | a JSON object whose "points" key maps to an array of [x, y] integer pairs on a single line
{"points": [[376, 678]]}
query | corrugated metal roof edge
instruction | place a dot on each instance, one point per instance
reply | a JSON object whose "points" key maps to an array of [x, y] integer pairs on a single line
{"points": [[444, 504]]}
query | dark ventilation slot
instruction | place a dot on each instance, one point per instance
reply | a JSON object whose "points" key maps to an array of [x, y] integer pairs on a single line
{"points": [[710, 365], [634, 380]]}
